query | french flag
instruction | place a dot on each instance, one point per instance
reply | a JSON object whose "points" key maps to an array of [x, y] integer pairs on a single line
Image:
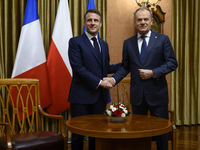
{"points": [[30, 61], [59, 69]]}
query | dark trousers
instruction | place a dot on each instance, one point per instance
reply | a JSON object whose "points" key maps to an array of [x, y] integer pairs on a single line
{"points": [[158, 111], [85, 109]]}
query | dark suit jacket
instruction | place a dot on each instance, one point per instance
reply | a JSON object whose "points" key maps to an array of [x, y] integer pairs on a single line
{"points": [[159, 57], [88, 70]]}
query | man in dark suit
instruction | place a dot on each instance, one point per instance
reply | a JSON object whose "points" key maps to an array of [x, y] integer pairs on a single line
{"points": [[148, 56], [89, 59]]}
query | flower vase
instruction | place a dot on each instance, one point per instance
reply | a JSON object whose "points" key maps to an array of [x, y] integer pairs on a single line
{"points": [[115, 119]]}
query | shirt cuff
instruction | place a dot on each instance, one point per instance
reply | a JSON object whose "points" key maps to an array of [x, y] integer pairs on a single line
{"points": [[113, 79], [99, 84]]}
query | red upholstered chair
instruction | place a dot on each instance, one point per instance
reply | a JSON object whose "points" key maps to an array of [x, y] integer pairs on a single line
{"points": [[21, 118]]}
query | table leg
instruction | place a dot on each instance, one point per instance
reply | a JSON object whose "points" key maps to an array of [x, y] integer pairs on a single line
{"points": [[123, 144]]}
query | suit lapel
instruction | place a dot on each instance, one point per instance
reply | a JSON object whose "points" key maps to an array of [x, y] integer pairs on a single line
{"points": [[135, 47], [152, 41], [102, 51], [91, 48]]}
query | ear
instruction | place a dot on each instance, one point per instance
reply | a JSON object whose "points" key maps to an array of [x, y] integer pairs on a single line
{"points": [[100, 24], [135, 24], [151, 21]]}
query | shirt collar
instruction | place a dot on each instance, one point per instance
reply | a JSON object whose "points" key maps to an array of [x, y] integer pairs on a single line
{"points": [[89, 35], [147, 35]]}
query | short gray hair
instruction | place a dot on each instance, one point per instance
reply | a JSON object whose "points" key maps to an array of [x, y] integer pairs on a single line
{"points": [[143, 8]]}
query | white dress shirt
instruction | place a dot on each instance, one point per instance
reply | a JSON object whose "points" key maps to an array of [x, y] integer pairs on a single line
{"points": [[140, 40], [92, 42]]}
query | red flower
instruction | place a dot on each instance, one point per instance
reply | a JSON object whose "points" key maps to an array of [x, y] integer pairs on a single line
{"points": [[123, 106], [115, 106], [118, 113], [116, 110]]}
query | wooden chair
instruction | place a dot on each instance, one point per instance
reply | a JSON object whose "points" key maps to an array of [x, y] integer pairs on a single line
{"points": [[21, 118], [123, 90], [172, 134]]}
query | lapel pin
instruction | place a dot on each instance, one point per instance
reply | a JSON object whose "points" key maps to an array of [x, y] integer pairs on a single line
{"points": [[156, 37]]}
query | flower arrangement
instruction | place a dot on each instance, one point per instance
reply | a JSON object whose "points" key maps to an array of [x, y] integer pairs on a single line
{"points": [[117, 110]]}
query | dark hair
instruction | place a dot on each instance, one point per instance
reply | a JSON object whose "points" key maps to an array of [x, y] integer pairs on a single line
{"points": [[143, 8], [93, 11]]}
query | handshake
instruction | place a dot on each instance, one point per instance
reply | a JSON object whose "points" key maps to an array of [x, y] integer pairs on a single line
{"points": [[144, 74], [108, 83]]}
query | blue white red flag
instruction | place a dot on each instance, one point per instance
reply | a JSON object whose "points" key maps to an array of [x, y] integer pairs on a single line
{"points": [[30, 61]]}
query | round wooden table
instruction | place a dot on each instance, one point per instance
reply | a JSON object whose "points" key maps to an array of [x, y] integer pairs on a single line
{"points": [[134, 133]]}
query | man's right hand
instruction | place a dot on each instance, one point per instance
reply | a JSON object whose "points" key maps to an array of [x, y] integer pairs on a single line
{"points": [[106, 84], [110, 80]]}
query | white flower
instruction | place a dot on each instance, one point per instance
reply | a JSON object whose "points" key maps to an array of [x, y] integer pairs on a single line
{"points": [[113, 109], [123, 115], [111, 106], [121, 107], [108, 112], [125, 111]]}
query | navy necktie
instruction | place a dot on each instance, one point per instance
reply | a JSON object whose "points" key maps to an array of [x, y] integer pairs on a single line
{"points": [[96, 47], [143, 48]]}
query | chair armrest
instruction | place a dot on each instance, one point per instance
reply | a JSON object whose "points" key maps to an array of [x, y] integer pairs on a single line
{"points": [[49, 115], [54, 117], [8, 137]]}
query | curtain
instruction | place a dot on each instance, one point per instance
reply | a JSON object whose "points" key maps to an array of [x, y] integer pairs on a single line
{"points": [[185, 88], [11, 19]]}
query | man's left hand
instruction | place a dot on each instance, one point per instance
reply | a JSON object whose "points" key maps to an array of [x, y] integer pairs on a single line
{"points": [[146, 74]]}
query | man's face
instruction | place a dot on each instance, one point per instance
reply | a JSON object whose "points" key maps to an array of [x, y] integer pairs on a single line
{"points": [[143, 21], [92, 23]]}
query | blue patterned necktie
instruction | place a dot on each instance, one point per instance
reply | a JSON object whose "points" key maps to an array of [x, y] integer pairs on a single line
{"points": [[143, 48]]}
